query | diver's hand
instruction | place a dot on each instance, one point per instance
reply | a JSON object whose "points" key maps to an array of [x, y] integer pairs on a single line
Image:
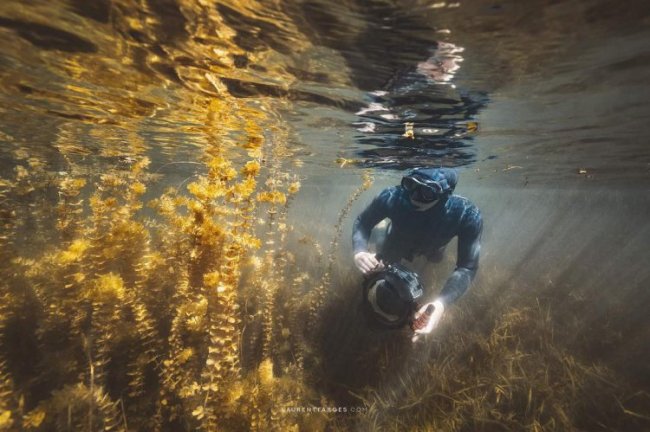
{"points": [[423, 326], [367, 262]]}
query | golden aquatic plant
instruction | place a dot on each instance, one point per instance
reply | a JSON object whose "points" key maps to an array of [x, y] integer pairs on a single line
{"points": [[129, 320], [142, 304], [76, 408], [7, 399], [109, 300]]}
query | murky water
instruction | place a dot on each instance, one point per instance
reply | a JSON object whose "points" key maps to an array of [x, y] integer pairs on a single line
{"points": [[542, 106]]}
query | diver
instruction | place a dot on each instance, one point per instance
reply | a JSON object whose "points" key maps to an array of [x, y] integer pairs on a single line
{"points": [[424, 217]]}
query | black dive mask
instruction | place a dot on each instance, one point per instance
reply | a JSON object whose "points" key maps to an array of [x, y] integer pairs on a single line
{"points": [[422, 190]]}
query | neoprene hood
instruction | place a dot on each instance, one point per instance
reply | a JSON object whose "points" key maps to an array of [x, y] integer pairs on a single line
{"points": [[447, 178]]}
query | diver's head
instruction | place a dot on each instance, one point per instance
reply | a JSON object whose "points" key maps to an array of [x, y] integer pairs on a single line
{"points": [[426, 187]]}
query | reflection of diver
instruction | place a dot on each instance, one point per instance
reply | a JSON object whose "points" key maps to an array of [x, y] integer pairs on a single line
{"points": [[424, 217], [419, 115], [410, 94]]}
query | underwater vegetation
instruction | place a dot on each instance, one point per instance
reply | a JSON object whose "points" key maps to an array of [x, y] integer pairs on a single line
{"points": [[131, 316], [192, 311], [515, 374]]}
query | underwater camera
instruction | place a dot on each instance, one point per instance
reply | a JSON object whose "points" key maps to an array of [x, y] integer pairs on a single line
{"points": [[390, 295]]}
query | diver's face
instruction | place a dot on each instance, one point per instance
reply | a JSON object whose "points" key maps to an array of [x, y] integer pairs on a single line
{"points": [[423, 206]]}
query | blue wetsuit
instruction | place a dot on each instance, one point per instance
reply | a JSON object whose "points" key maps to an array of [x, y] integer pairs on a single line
{"points": [[425, 233]]}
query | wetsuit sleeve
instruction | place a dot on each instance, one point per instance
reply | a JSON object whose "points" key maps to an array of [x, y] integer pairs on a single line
{"points": [[369, 217], [469, 246]]}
